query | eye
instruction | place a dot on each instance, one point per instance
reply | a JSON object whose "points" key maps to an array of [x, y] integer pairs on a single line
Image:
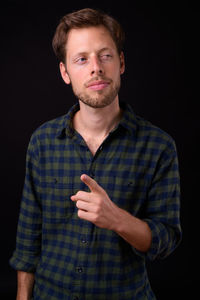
{"points": [[106, 57], [81, 60]]}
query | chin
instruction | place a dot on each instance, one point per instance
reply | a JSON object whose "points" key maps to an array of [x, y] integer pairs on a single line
{"points": [[97, 103]]}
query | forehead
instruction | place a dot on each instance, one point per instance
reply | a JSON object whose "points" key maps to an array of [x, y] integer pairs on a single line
{"points": [[89, 39]]}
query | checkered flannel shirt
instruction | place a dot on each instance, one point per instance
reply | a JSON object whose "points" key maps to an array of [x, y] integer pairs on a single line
{"points": [[72, 258]]}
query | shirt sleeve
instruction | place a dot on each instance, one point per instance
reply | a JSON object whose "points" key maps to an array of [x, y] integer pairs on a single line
{"points": [[162, 211], [27, 252]]}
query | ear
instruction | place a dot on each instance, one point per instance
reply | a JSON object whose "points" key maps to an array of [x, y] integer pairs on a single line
{"points": [[122, 63], [64, 74]]}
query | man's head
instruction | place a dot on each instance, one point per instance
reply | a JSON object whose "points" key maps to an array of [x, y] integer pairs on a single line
{"points": [[89, 44], [82, 19]]}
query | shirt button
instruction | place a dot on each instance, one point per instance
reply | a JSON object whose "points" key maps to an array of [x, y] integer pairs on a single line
{"points": [[79, 269], [83, 241], [101, 148]]}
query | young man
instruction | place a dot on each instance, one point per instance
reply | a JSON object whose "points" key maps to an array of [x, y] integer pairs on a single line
{"points": [[101, 191]]}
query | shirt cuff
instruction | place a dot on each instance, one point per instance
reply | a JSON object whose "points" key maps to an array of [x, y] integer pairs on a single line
{"points": [[155, 247], [158, 232], [25, 263]]}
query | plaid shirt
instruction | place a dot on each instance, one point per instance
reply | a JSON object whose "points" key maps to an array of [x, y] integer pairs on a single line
{"points": [[72, 258]]}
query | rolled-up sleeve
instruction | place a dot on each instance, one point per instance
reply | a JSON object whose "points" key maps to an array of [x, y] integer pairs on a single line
{"points": [[162, 208], [28, 241], [163, 205]]}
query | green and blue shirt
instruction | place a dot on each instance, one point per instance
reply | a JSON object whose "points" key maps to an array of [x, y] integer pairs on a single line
{"points": [[72, 258]]}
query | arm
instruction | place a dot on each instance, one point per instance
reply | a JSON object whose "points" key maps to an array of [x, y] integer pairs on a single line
{"points": [[28, 241], [25, 285], [98, 208], [135, 231], [162, 208]]}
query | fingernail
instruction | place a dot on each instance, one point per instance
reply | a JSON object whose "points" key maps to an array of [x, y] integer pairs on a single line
{"points": [[83, 176]]}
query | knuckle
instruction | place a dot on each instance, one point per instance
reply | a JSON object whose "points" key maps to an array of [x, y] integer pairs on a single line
{"points": [[98, 201], [78, 194], [97, 209], [95, 219], [79, 213]]}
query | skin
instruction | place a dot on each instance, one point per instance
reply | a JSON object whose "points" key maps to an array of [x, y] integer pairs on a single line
{"points": [[92, 58], [25, 282], [92, 55]]}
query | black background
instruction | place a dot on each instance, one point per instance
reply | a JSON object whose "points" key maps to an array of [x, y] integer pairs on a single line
{"points": [[161, 83]]}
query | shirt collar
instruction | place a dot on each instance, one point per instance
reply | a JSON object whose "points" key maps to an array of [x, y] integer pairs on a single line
{"points": [[128, 121], [66, 125]]}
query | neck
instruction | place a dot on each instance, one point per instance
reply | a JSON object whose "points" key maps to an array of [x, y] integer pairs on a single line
{"points": [[97, 121]]}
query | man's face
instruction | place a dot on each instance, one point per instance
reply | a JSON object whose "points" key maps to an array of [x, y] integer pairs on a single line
{"points": [[93, 66]]}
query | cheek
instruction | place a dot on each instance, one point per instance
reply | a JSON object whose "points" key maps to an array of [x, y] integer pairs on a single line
{"points": [[78, 75], [116, 75], [114, 70], [77, 80]]}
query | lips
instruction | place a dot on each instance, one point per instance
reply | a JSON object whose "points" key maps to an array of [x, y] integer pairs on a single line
{"points": [[98, 85]]}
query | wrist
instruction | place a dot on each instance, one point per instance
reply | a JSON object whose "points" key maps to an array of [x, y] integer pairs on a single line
{"points": [[23, 297], [118, 221]]}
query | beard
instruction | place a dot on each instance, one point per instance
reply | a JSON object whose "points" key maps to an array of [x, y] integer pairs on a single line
{"points": [[101, 98]]}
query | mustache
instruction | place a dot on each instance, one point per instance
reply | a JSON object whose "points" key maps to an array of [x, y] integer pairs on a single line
{"points": [[98, 78]]}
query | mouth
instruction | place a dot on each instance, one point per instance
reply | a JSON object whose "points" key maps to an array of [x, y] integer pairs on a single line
{"points": [[98, 85]]}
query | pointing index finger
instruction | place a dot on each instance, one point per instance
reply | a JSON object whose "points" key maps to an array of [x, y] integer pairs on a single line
{"points": [[91, 183]]}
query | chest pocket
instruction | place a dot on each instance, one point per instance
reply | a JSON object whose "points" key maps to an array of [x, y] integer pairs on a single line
{"points": [[57, 204], [130, 192]]}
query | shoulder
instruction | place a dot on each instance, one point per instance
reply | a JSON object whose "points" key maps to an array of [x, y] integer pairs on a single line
{"points": [[49, 130], [52, 126], [154, 136], [145, 135]]}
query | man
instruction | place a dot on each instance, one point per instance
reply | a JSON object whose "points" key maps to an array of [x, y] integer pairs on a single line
{"points": [[101, 191]]}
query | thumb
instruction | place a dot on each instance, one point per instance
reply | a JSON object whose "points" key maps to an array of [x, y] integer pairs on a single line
{"points": [[91, 183]]}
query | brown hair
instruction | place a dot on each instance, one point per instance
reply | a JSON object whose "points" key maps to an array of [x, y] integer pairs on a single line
{"points": [[86, 17]]}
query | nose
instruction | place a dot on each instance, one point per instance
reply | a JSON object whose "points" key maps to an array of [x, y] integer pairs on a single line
{"points": [[96, 66]]}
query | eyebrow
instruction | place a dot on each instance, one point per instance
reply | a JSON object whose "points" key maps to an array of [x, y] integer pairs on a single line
{"points": [[85, 53], [105, 49]]}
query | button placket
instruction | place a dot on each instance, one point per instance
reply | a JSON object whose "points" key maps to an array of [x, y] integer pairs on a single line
{"points": [[92, 174], [92, 169]]}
